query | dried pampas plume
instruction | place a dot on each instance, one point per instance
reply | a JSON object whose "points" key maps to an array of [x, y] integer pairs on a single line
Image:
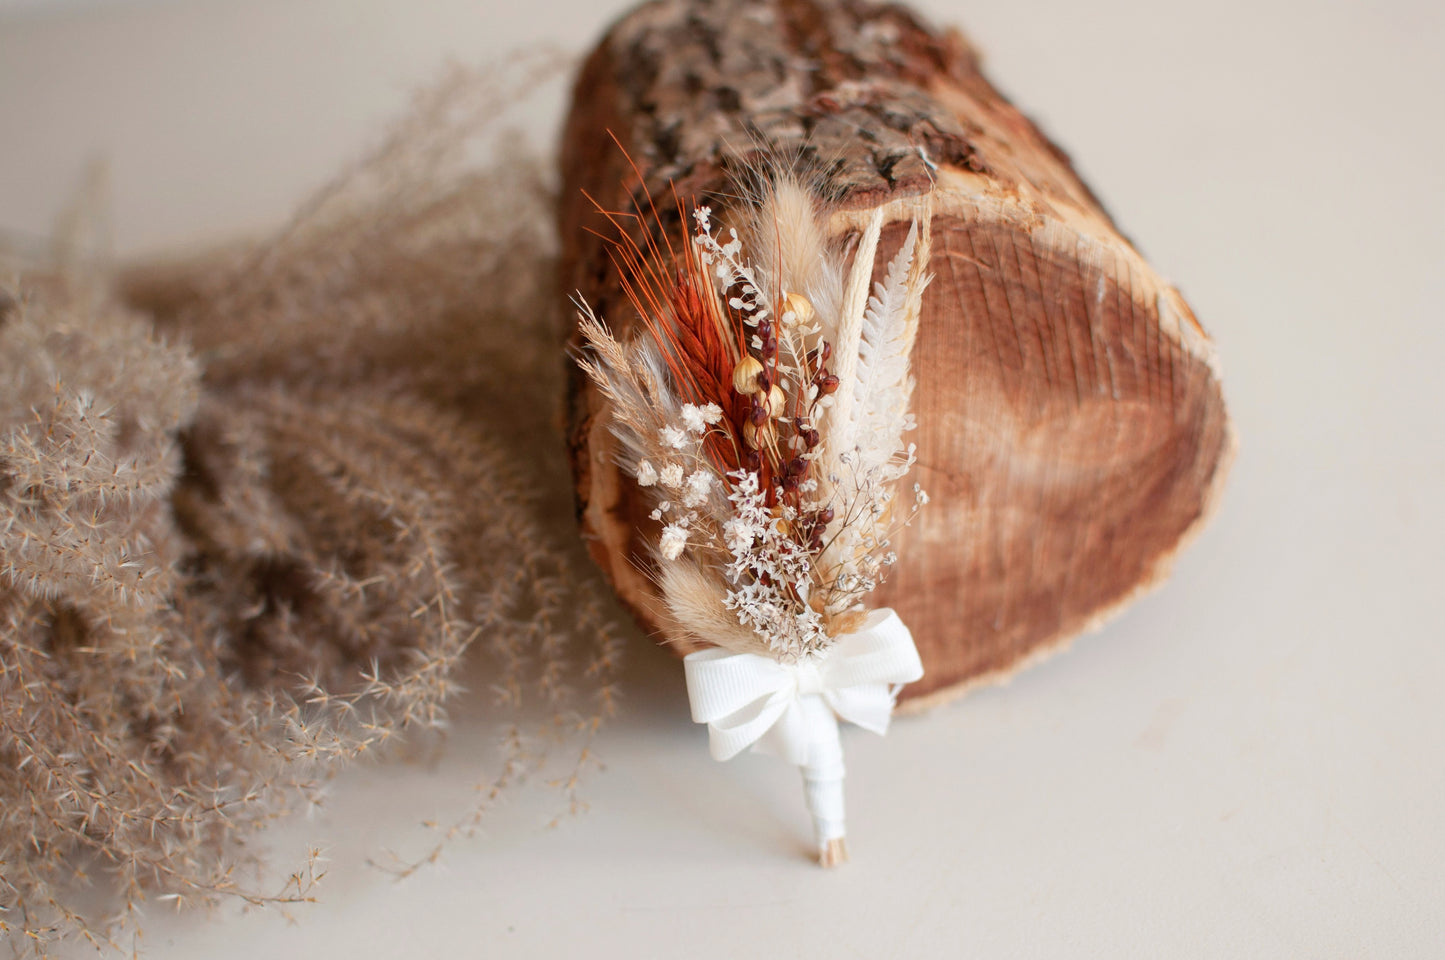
{"points": [[255, 508]]}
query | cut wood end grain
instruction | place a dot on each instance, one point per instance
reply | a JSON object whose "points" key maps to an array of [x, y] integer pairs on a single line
{"points": [[1072, 430]]}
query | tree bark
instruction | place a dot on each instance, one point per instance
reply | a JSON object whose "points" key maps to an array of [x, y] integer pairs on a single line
{"points": [[1072, 433]]}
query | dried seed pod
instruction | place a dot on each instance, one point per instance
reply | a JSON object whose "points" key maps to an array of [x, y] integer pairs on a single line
{"points": [[800, 307], [775, 402], [757, 436], [745, 375]]}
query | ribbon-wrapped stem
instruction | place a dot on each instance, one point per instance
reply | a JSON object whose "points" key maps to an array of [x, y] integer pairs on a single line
{"points": [[823, 779], [792, 709]]}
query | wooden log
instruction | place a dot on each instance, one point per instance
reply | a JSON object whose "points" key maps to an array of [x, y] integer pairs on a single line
{"points": [[1072, 432]]}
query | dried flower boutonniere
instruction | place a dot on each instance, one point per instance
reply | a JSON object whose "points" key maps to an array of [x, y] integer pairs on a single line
{"points": [[763, 404]]}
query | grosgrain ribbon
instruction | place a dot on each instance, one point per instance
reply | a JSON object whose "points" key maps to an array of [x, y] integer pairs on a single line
{"points": [[792, 709]]}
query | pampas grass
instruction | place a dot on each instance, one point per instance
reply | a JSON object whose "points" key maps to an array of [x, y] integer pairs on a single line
{"points": [[256, 507]]}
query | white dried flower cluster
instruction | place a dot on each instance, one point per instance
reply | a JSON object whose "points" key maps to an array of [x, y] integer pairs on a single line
{"points": [[673, 540], [770, 574], [862, 536], [697, 489], [688, 480], [697, 419]]}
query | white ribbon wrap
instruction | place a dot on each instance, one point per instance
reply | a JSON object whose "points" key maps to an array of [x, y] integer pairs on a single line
{"points": [[792, 710]]}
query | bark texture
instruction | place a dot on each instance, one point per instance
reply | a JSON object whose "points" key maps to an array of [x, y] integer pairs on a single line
{"points": [[1072, 432]]}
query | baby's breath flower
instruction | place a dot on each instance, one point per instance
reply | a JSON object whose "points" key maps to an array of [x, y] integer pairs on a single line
{"points": [[698, 489], [646, 474], [674, 437], [740, 534], [674, 539], [768, 573], [697, 419], [671, 476], [692, 418]]}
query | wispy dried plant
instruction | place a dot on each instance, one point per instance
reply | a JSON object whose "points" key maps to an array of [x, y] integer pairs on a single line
{"points": [[251, 520]]}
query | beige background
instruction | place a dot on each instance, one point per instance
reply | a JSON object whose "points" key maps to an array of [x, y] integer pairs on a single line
{"points": [[1249, 763]]}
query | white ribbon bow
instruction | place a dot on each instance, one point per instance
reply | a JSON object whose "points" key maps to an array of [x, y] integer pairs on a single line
{"points": [[792, 709]]}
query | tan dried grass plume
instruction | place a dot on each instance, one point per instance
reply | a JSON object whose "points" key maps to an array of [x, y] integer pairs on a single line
{"points": [[251, 520]]}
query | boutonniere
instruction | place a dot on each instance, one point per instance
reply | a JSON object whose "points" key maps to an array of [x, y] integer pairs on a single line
{"points": [[763, 404]]}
